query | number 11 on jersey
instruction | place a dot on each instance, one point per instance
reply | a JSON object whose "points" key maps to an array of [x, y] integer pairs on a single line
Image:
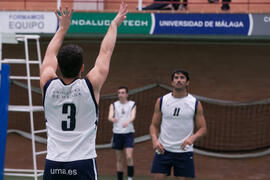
{"points": [[176, 111]]}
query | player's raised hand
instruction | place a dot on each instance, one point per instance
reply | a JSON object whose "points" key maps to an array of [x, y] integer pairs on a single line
{"points": [[64, 17], [121, 15]]}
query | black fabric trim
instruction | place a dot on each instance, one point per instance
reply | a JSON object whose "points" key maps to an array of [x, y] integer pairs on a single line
{"points": [[92, 93], [196, 105], [113, 109], [160, 103], [113, 106], [45, 87], [69, 83], [133, 105]]}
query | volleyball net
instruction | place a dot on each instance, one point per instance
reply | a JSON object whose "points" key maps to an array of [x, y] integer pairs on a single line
{"points": [[233, 127]]}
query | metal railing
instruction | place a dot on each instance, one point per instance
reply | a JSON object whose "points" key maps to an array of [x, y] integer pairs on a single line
{"points": [[247, 6]]}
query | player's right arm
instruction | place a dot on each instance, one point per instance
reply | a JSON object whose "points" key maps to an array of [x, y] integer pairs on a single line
{"points": [[155, 127], [98, 74], [111, 114], [49, 64]]}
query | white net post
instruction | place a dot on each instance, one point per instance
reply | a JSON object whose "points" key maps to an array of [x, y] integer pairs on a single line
{"points": [[58, 4], [139, 5]]}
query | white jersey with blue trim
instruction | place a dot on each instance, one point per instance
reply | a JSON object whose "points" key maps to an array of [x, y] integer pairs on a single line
{"points": [[122, 112], [177, 122], [71, 114]]}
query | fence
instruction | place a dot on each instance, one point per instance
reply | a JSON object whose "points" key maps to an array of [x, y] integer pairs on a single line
{"points": [[194, 6]]}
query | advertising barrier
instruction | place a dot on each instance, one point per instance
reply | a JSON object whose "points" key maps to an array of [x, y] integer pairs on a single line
{"points": [[260, 24], [140, 23], [98, 23], [218, 24], [28, 22]]}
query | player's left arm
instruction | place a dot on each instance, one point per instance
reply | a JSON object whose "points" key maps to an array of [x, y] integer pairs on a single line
{"points": [[200, 125], [132, 117], [98, 74]]}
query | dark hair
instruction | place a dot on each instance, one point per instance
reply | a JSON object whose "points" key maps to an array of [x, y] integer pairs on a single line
{"points": [[180, 71], [70, 60], [123, 87]]}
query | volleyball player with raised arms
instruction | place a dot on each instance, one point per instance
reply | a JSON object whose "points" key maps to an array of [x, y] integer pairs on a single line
{"points": [[175, 116], [71, 103]]}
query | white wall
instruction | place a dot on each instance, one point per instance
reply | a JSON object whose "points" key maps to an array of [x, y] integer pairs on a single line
{"points": [[90, 5]]}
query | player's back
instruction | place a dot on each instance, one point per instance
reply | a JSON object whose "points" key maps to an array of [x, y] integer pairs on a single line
{"points": [[71, 115]]}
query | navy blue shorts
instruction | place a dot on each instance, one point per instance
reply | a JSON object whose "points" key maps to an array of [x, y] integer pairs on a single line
{"points": [[74, 170], [182, 164], [121, 141]]}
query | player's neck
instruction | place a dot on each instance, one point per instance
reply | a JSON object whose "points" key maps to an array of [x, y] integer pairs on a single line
{"points": [[123, 101], [179, 93], [68, 80]]}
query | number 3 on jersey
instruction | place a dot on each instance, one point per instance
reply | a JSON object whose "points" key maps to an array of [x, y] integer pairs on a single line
{"points": [[70, 110]]}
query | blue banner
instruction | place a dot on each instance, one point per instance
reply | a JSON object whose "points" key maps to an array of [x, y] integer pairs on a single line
{"points": [[219, 24], [4, 99]]}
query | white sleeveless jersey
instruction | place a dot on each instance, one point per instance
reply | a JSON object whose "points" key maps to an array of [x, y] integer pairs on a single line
{"points": [[71, 114], [177, 121], [122, 112]]}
